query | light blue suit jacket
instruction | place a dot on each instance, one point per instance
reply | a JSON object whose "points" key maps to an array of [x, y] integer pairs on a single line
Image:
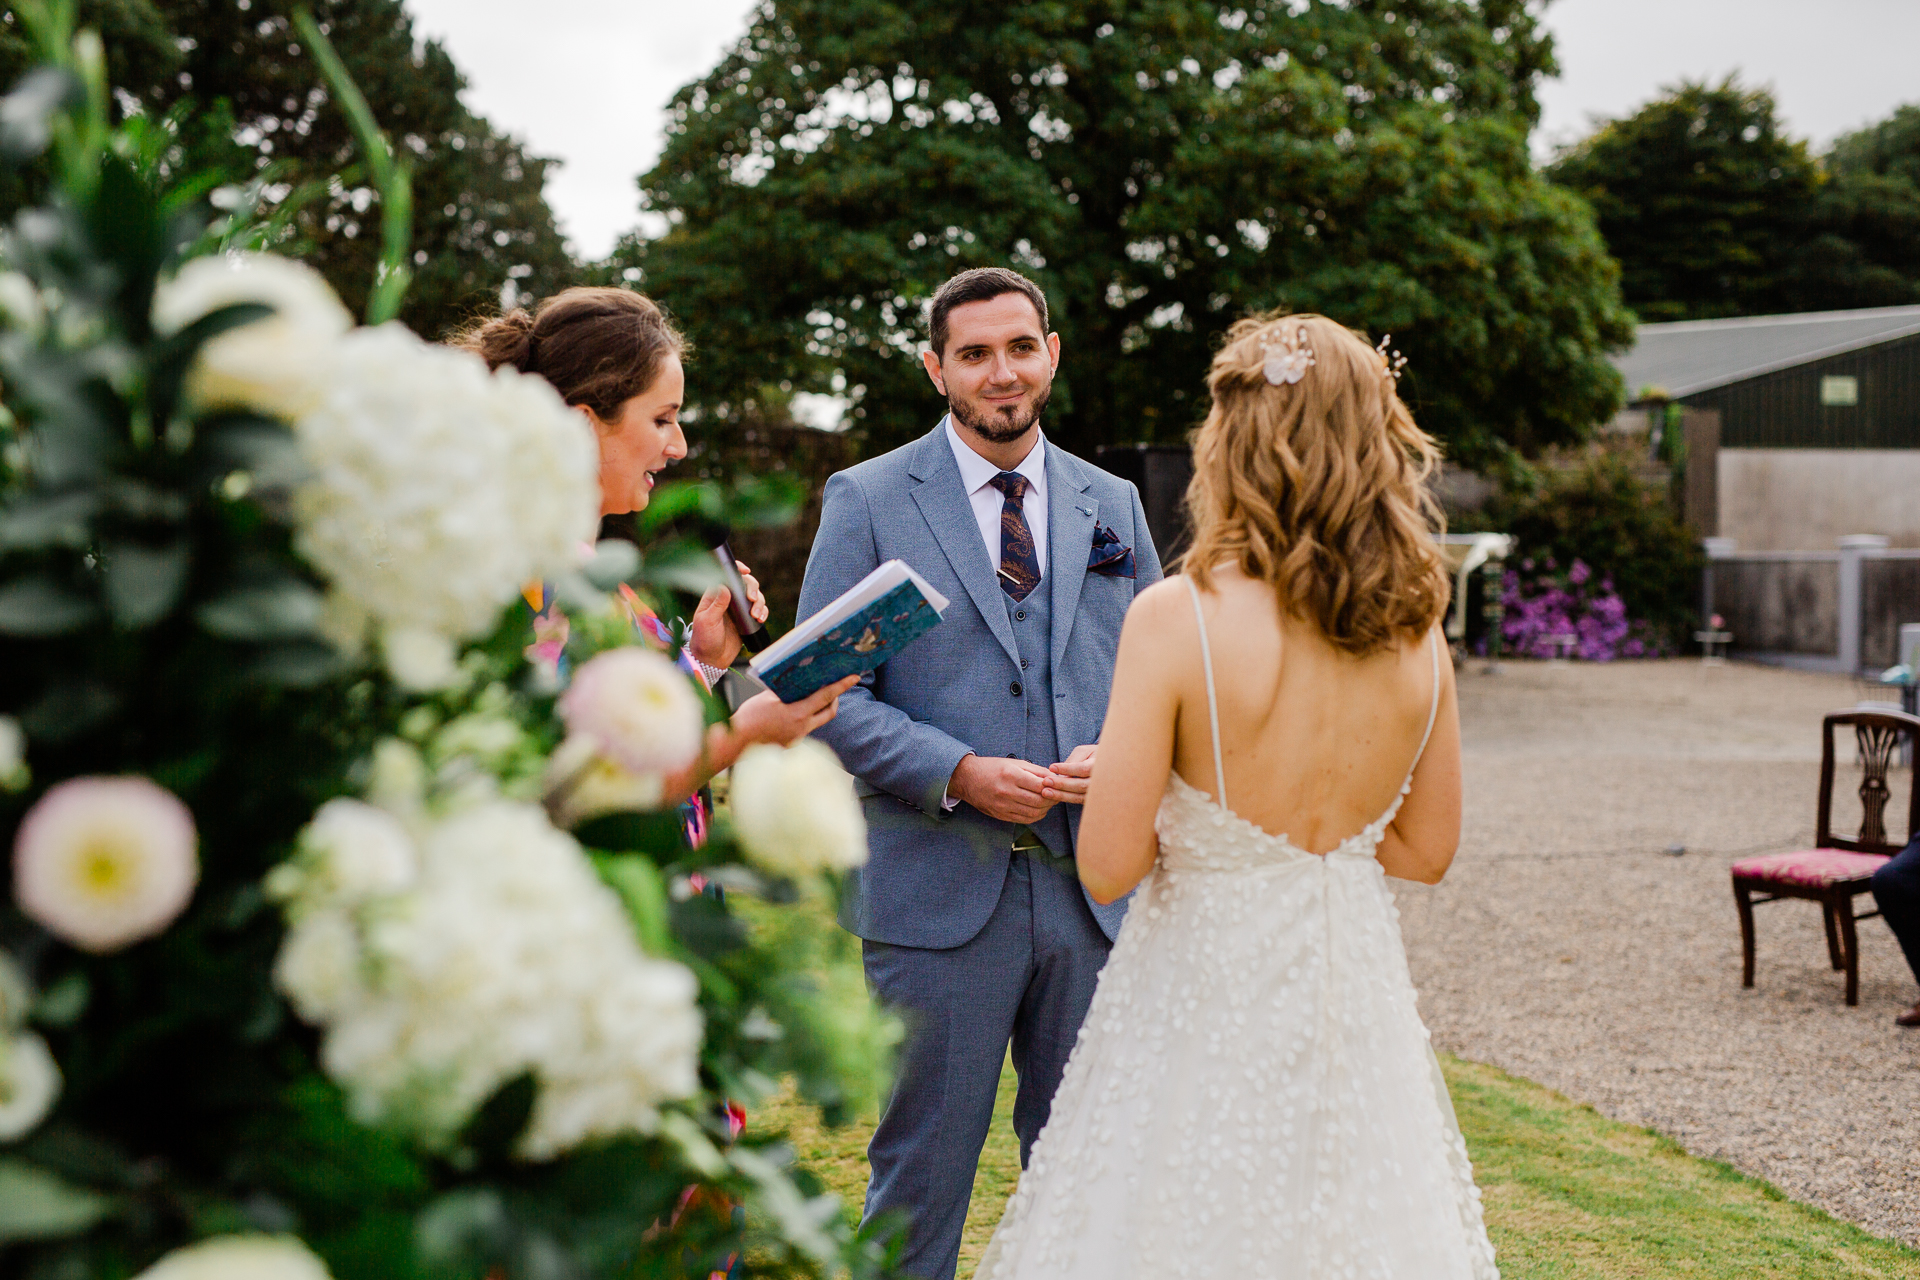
{"points": [[933, 877]]}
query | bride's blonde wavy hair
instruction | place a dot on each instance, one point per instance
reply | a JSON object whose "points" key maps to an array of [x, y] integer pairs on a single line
{"points": [[1318, 487]]}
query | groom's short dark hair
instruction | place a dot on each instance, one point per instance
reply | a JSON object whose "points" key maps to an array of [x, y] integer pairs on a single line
{"points": [[981, 285]]}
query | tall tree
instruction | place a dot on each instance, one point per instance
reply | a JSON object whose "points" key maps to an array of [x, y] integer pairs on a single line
{"points": [[1162, 167], [480, 218], [1713, 210]]}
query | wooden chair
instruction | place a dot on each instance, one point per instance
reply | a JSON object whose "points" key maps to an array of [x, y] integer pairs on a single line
{"points": [[1840, 868]]}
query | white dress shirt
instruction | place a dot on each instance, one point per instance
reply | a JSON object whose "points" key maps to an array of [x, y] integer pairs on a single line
{"points": [[976, 475]]}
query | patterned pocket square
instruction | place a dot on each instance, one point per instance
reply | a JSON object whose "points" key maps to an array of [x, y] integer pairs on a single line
{"points": [[1108, 555]]}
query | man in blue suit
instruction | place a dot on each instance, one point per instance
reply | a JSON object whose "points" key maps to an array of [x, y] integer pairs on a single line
{"points": [[973, 748]]}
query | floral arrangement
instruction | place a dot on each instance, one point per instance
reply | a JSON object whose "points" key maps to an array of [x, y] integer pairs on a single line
{"points": [[339, 940], [1543, 603]]}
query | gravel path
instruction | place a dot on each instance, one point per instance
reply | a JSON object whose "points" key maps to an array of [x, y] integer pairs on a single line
{"points": [[1567, 947]]}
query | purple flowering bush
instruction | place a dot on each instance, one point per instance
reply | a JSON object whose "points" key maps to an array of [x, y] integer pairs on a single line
{"points": [[1543, 602]]}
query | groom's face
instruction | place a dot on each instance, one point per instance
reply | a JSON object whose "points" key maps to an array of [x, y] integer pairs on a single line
{"points": [[997, 370]]}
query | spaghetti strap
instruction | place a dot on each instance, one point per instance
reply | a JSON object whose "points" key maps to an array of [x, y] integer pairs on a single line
{"points": [[1213, 703], [1433, 709]]}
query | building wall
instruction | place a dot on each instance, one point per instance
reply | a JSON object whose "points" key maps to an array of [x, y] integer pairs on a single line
{"points": [[1782, 410], [1804, 499]]}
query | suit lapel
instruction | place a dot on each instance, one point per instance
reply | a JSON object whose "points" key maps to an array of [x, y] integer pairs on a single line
{"points": [[1072, 516], [942, 499]]}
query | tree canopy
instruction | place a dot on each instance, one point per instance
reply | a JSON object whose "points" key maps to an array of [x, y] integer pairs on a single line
{"points": [[1713, 210], [480, 217], [1161, 167]]}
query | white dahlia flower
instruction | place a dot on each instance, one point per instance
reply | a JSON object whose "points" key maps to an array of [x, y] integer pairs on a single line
{"points": [[102, 862], [242, 1257], [638, 708], [29, 1084], [280, 365], [436, 490], [505, 955], [796, 810], [581, 784]]}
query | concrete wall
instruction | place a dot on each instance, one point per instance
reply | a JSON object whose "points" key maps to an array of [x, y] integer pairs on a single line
{"points": [[1806, 499], [1776, 604]]}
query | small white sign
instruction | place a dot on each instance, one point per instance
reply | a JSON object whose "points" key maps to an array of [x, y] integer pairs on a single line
{"points": [[1839, 391]]}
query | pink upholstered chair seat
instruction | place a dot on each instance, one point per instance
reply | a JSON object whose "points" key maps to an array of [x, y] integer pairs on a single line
{"points": [[1814, 868]]}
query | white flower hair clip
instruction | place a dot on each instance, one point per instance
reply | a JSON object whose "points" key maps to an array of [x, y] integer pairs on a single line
{"points": [[1288, 359], [1394, 362]]}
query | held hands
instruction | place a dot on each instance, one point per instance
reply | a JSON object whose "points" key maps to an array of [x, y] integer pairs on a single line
{"points": [[1067, 782], [715, 640], [764, 718]]}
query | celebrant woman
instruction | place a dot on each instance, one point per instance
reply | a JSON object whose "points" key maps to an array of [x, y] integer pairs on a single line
{"points": [[612, 355]]}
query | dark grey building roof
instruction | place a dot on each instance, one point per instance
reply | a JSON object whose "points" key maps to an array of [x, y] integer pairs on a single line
{"points": [[1690, 356]]}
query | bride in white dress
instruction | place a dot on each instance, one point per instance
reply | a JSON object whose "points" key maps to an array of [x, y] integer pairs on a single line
{"points": [[1252, 1094]]}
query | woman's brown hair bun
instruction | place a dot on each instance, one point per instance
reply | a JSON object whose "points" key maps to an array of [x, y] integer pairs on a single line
{"points": [[598, 346], [504, 340]]}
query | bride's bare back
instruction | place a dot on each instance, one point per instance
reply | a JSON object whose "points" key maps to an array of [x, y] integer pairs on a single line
{"points": [[1315, 742]]}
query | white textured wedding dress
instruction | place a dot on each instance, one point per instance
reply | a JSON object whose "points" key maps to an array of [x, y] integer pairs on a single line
{"points": [[1252, 1094]]}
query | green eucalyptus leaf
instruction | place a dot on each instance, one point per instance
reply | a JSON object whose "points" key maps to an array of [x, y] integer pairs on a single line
{"points": [[41, 606], [262, 447], [643, 892], [56, 520], [496, 1126], [687, 565], [462, 1227], [300, 665], [143, 583], [683, 498], [61, 1004], [38, 1205], [26, 114], [615, 560], [174, 355], [285, 610], [659, 833], [69, 709]]}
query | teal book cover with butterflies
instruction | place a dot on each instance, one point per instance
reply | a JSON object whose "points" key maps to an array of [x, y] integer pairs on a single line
{"points": [[853, 635]]}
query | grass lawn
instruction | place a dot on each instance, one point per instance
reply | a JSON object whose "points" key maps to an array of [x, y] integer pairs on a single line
{"points": [[1569, 1193]]}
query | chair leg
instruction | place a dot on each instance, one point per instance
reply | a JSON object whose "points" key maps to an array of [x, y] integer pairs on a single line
{"points": [[1851, 942], [1830, 914], [1743, 899]]}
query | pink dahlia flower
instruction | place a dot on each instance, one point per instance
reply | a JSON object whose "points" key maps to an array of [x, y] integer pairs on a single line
{"points": [[103, 862]]}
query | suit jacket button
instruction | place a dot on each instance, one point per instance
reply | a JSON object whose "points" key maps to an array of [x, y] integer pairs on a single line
{"points": [[1014, 688], [1019, 615]]}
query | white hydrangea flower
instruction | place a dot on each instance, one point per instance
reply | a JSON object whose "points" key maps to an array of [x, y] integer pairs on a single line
{"points": [[361, 851], [436, 490], [280, 365], [240, 1257], [420, 660], [29, 1084], [505, 955], [104, 862], [796, 810], [638, 708]]}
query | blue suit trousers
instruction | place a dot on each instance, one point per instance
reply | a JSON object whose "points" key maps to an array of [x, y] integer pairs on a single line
{"points": [[1030, 972]]}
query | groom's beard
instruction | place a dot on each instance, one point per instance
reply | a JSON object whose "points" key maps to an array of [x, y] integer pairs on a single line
{"points": [[1000, 426]]}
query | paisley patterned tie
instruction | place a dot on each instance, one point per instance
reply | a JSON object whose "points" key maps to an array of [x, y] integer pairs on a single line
{"points": [[1019, 561]]}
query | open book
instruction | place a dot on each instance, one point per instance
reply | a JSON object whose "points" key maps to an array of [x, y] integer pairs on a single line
{"points": [[879, 616]]}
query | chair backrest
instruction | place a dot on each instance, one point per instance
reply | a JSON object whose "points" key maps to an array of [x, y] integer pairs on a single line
{"points": [[1878, 734]]}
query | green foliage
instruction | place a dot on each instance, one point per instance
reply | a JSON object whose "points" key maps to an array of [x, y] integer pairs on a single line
{"points": [[155, 619], [1713, 210], [253, 109], [1602, 514], [1161, 169]]}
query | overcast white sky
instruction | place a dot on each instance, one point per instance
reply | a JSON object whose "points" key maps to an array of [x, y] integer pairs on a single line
{"points": [[587, 81]]}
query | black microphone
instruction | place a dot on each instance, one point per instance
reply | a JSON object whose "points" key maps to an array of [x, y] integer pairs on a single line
{"points": [[753, 635]]}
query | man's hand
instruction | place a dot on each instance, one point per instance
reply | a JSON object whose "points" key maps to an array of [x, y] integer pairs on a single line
{"points": [[1010, 790], [764, 718], [1067, 782]]}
